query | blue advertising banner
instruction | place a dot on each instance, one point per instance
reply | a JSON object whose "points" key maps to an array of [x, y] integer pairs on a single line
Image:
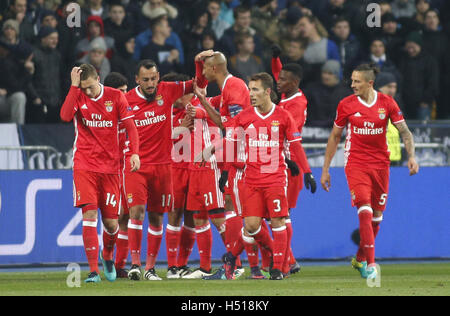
{"points": [[38, 223]]}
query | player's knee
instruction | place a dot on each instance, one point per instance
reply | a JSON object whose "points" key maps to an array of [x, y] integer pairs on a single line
{"points": [[137, 212], [364, 208]]}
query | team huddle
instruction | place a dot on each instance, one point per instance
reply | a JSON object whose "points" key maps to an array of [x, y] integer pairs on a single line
{"points": [[234, 160]]}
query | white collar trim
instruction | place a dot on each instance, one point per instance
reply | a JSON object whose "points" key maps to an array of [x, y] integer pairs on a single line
{"points": [[373, 102], [268, 114], [101, 93], [298, 94], [225, 81], [140, 94]]}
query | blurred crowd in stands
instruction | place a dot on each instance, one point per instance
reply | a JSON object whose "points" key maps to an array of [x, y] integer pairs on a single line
{"points": [[41, 40]]}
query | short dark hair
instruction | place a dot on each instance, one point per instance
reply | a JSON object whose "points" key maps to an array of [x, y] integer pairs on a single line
{"points": [[295, 69], [340, 19], [371, 70], [88, 71], [240, 9], [156, 21], [265, 78], [174, 76], [115, 80], [147, 64], [241, 37]]}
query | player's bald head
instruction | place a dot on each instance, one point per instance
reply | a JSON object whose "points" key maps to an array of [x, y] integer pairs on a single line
{"points": [[218, 59]]}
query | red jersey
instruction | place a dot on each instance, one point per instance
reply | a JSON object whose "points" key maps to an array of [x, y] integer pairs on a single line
{"points": [[233, 99], [296, 105], [265, 137], [154, 121], [204, 134], [96, 146], [177, 117], [366, 143]]}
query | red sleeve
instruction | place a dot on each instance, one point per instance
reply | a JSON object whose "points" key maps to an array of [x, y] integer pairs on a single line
{"points": [[276, 67], [297, 149], [201, 80], [125, 111], [341, 116], [70, 105], [133, 136], [395, 113]]}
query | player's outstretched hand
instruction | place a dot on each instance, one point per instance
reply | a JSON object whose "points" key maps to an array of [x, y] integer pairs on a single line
{"points": [[295, 171], [202, 55], [223, 181], [413, 166], [199, 92], [310, 182], [135, 162], [325, 180], [276, 50], [75, 76]]}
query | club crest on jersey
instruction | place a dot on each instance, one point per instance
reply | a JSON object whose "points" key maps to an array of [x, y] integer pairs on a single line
{"points": [[159, 100], [275, 126], [382, 113], [130, 198], [109, 106]]}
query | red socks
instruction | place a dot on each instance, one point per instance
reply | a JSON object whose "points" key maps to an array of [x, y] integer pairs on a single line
{"points": [[251, 248], [109, 240], [90, 241], [288, 251], [367, 244], [154, 238], [134, 240], [280, 240], [204, 243], [122, 250], [173, 235], [376, 221], [187, 241]]}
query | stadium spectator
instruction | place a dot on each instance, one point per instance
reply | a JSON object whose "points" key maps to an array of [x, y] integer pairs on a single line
{"points": [[227, 10], [319, 48], [391, 36], [340, 8], [150, 9], [242, 23], [166, 56], [144, 38], [97, 57], [123, 61], [10, 36], [437, 44], [289, 28], [47, 76], [218, 25], [95, 29], [420, 79], [403, 8], [68, 38], [265, 21], [349, 46], [192, 36], [96, 8], [117, 25], [324, 96], [245, 63], [18, 11], [12, 85], [377, 55]]}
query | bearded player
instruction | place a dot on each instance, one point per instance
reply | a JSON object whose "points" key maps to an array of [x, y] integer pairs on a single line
{"points": [[151, 102], [366, 115], [96, 111]]}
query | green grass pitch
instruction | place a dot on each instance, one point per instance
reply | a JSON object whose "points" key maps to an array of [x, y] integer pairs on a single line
{"points": [[396, 279]]}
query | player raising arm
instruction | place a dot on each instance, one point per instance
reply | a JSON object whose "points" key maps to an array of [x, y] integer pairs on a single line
{"points": [[366, 115], [96, 111]]}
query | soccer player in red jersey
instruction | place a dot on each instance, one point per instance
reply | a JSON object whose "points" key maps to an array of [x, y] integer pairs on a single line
{"points": [[118, 81], [366, 115], [151, 102], [294, 101], [96, 111], [233, 99], [265, 128]]}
